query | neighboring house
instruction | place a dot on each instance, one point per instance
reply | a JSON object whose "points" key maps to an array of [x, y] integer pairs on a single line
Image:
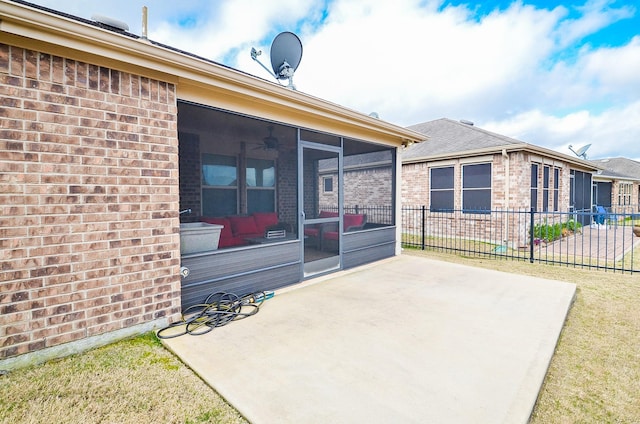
{"points": [[468, 169], [617, 185], [107, 137]]}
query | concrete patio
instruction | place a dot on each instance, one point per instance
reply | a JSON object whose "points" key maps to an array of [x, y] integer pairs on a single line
{"points": [[405, 340]]}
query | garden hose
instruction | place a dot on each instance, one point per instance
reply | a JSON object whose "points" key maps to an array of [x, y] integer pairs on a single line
{"points": [[217, 310]]}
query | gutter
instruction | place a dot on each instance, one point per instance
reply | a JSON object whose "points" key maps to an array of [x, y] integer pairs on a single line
{"points": [[507, 149]]}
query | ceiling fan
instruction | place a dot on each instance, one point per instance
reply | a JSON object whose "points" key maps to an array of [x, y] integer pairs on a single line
{"points": [[269, 142]]}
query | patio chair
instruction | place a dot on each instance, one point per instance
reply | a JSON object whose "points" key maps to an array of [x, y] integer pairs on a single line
{"points": [[313, 233], [351, 222], [600, 215]]}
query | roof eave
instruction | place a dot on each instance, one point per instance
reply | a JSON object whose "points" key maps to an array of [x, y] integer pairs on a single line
{"points": [[180, 68], [508, 148]]}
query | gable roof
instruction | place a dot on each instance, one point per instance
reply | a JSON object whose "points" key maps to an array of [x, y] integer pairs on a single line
{"points": [[619, 168], [454, 139], [449, 136]]}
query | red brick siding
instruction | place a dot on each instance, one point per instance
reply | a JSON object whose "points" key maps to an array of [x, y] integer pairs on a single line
{"points": [[89, 197], [415, 183], [633, 206], [512, 228], [369, 190]]}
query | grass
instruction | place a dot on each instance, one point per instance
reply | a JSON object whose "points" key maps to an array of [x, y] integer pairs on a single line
{"points": [[594, 376], [581, 255], [132, 381]]}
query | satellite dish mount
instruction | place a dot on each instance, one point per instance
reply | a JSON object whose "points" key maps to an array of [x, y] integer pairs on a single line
{"points": [[286, 53]]}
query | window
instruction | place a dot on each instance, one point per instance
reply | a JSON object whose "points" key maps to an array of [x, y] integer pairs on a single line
{"points": [[328, 184], [442, 189], [556, 189], [367, 185], [221, 191], [476, 188], [534, 186], [219, 185], [261, 185], [545, 188], [624, 194]]}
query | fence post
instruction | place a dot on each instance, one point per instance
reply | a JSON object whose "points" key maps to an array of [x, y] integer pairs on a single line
{"points": [[424, 219], [531, 235]]}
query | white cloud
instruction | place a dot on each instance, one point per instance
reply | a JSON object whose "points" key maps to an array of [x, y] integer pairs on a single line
{"points": [[523, 71], [398, 58], [595, 15], [614, 132], [230, 26]]}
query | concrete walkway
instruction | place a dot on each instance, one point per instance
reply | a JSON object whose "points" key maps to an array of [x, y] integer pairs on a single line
{"points": [[405, 340]]}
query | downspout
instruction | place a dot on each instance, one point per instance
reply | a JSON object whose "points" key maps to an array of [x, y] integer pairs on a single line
{"points": [[507, 179]]}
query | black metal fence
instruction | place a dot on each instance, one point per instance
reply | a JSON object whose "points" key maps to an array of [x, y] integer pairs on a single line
{"points": [[376, 214], [599, 239]]}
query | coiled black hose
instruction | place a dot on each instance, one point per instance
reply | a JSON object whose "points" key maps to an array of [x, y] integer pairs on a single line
{"points": [[217, 310]]}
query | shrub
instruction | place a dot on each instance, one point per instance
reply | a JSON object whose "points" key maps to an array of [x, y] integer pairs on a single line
{"points": [[551, 232]]}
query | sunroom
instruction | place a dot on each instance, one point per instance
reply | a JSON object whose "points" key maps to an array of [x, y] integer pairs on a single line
{"points": [[277, 203]]}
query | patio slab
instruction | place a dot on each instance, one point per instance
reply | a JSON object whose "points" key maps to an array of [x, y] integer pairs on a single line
{"points": [[407, 339]]}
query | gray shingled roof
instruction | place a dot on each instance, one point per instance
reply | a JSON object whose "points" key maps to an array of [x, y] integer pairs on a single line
{"points": [[619, 167], [355, 161], [449, 136]]}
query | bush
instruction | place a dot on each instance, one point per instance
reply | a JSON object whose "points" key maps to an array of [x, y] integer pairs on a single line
{"points": [[549, 233]]}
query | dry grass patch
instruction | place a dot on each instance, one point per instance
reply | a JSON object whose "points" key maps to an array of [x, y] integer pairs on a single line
{"points": [[594, 376], [133, 381]]}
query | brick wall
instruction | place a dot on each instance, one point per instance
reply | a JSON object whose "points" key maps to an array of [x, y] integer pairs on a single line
{"points": [[367, 190], [415, 183], [89, 198], [512, 228], [190, 175], [633, 206]]}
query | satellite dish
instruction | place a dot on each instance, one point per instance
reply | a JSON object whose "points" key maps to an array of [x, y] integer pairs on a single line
{"points": [[581, 152], [286, 53]]}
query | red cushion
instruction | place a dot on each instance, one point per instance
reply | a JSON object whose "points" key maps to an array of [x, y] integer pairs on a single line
{"points": [[311, 232], [327, 214], [330, 235], [225, 233], [353, 220], [243, 225], [264, 220]]}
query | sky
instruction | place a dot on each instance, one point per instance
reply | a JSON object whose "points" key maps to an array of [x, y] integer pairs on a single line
{"points": [[554, 74]]}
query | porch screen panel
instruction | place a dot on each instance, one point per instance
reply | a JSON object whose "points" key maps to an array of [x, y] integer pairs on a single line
{"points": [[219, 185], [368, 181], [260, 185], [476, 188], [603, 194]]}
